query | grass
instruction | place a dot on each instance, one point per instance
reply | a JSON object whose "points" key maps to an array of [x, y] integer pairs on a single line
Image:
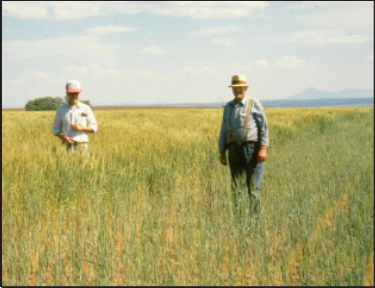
{"points": [[152, 205]]}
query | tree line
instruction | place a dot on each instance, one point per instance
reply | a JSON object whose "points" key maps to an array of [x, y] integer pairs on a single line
{"points": [[48, 103]]}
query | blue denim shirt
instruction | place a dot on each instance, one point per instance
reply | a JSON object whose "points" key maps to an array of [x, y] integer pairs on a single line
{"points": [[257, 127]]}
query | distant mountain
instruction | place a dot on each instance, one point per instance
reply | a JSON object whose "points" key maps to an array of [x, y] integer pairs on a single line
{"points": [[312, 93], [323, 102]]}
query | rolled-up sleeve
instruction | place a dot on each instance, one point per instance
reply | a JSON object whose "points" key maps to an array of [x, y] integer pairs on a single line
{"points": [[57, 124], [91, 121], [260, 118], [223, 135]]}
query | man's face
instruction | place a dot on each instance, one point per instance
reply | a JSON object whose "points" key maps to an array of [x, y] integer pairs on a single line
{"points": [[73, 98], [239, 92]]}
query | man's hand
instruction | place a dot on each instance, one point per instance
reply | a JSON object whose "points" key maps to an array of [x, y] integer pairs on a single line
{"points": [[68, 140], [77, 127], [65, 139], [262, 155], [223, 159]]}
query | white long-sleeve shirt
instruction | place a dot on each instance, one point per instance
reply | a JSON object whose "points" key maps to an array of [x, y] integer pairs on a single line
{"points": [[67, 115]]}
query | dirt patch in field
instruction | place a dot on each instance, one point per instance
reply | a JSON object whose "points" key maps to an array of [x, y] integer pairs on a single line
{"points": [[369, 277]]}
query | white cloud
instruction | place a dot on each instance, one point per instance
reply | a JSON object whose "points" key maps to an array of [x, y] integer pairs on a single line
{"points": [[215, 31], [108, 30], [245, 68], [34, 84], [329, 37], [66, 10], [151, 76], [304, 5], [262, 64], [93, 70], [154, 50], [33, 78], [25, 9], [97, 72], [224, 42], [127, 7], [347, 15], [8, 30], [290, 62], [198, 70], [72, 46], [209, 9]]}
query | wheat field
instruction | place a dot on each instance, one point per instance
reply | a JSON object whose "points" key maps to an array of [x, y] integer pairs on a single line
{"points": [[152, 205]]}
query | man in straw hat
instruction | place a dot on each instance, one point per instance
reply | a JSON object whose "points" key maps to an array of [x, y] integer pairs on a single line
{"points": [[244, 134], [73, 120]]}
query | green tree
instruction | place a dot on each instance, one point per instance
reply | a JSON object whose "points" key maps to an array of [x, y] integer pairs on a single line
{"points": [[44, 104], [87, 102]]}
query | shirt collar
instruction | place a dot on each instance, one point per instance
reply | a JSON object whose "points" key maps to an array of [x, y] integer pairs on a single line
{"points": [[79, 105], [243, 101]]}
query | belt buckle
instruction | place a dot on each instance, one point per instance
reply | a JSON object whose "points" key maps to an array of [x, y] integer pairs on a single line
{"points": [[252, 144]]}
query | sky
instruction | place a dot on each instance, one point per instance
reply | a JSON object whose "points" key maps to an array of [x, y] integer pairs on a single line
{"points": [[159, 52]]}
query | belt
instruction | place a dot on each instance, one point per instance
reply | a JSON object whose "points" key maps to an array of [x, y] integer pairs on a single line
{"points": [[250, 143]]}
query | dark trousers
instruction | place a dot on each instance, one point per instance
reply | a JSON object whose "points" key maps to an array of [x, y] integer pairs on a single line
{"points": [[246, 175]]}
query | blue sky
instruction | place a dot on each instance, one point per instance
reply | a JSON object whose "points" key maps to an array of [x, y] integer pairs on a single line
{"points": [[155, 52]]}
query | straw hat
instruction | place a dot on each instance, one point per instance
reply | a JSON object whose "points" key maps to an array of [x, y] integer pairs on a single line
{"points": [[238, 81]]}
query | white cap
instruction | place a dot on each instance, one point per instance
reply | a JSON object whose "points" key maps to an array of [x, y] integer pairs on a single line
{"points": [[73, 86]]}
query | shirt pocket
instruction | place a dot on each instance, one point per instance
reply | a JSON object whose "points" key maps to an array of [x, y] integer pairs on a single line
{"points": [[251, 123], [81, 120], [242, 116]]}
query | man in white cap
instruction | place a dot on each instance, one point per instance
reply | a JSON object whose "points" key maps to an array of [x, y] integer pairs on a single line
{"points": [[244, 134], [73, 120]]}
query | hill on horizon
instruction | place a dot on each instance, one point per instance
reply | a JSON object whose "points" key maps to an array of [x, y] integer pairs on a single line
{"points": [[312, 93]]}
